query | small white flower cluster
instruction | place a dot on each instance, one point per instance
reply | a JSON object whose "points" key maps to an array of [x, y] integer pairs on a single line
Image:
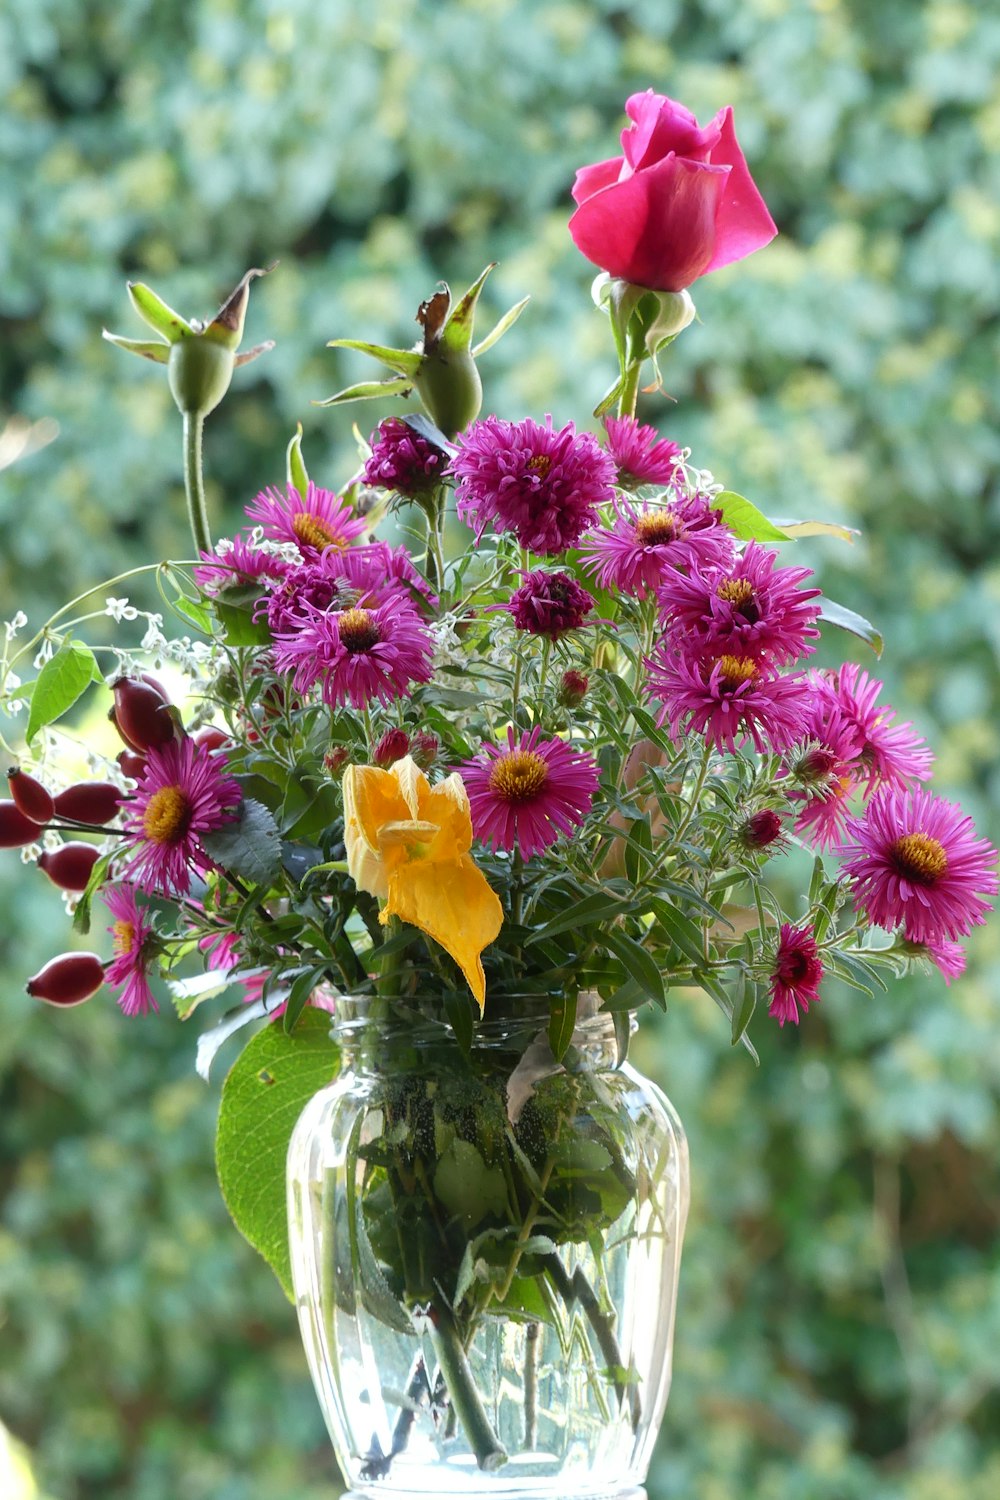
{"points": [[448, 651], [11, 627], [12, 706]]}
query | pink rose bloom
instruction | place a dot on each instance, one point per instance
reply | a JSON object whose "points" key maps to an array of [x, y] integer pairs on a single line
{"points": [[679, 203]]}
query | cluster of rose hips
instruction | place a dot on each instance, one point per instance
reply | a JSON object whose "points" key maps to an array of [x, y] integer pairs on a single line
{"points": [[145, 719]]}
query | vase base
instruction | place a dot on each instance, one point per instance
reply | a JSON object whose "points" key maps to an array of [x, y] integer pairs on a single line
{"points": [[379, 1491]]}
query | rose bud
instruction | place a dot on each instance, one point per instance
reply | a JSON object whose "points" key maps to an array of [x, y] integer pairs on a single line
{"points": [[92, 802], [15, 829], [68, 980], [213, 739], [393, 745], [132, 763], [30, 797], [424, 748], [142, 715], [70, 865], [573, 689]]}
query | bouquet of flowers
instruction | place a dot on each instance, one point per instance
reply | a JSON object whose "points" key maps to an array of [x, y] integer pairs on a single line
{"points": [[475, 796]]}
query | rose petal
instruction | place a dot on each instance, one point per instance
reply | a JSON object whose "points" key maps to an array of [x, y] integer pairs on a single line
{"points": [[743, 223], [663, 125], [590, 180]]}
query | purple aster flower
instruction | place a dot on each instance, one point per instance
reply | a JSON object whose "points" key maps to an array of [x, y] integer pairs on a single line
{"points": [[357, 655], [753, 609], [549, 604], [646, 543], [915, 861], [403, 460], [135, 948], [182, 792], [238, 564], [526, 795], [729, 700], [888, 754], [640, 454], [319, 520], [367, 575], [949, 958], [544, 486], [797, 973]]}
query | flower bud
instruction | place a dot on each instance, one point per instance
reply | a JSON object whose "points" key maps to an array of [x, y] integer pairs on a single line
{"points": [[393, 745], [760, 830], [132, 763], [573, 689], [30, 797], [15, 829], [404, 458], [68, 980], [70, 865], [95, 803], [424, 748], [142, 715], [336, 759]]}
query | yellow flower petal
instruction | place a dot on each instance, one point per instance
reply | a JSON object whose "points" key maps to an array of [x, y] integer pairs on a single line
{"points": [[454, 904]]}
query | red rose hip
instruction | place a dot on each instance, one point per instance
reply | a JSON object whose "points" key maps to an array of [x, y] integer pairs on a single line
{"points": [[68, 980], [15, 829], [142, 715], [69, 866], [30, 797]]}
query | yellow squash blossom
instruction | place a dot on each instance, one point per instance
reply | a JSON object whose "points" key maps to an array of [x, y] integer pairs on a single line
{"points": [[408, 844]]}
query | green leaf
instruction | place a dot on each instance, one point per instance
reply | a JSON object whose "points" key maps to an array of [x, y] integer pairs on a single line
{"points": [[249, 846], [745, 520], [299, 994], [295, 464], [458, 1009], [468, 1188], [262, 1098], [60, 683], [640, 964], [195, 613], [839, 614], [562, 1022], [239, 625], [154, 311], [818, 528], [682, 932], [596, 908], [457, 333], [744, 1005], [81, 917]]}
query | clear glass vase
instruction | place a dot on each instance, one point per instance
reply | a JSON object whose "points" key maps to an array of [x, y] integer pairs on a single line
{"points": [[485, 1248]]}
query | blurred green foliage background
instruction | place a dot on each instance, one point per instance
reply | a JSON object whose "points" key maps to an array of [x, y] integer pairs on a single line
{"points": [[840, 1308]]}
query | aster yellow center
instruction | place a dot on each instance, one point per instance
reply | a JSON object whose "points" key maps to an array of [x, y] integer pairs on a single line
{"points": [[734, 670], [540, 464], [358, 630], [167, 815], [519, 776], [123, 937], [920, 858], [315, 533], [654, 527]]}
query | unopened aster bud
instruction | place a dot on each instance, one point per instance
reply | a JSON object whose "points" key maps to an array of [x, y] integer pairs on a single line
{"points": [[15, 829], [336, 759], [393, 746], [403, 459], [573, 689], [95, 803], [30, 797], [814, 767], [760, 830], [142, 715], [424, 748], [68, 980], [70, 865]]}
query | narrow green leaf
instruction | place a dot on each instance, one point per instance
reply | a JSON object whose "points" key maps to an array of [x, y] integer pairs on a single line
{"points": [[847, 619], [723, 1000], [266, 1090], [458, 1009], [154, 311], [640, 964], [81, 917], [562, 1022], [744, 1005], [404, 361], [628, 997], [745, 520], [367, 390], [682, 932], [298, 995], [59, 684], [457, 333], [596, 908], [499, 329], [153, 349]]}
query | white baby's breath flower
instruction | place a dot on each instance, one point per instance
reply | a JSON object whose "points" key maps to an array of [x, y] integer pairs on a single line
{"points": [[45, 653], [11, 627], [154, 639]]}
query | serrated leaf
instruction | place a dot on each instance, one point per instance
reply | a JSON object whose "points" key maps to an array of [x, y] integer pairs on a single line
{"points": [[249, 846], [62, 680], [745, 521], [848, 619], [265, 1092]]}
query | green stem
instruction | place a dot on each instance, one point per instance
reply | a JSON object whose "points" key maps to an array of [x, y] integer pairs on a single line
{"points": [[194, 484], [630, 390], [577, 1288], [531, 1386], [490, 1452]]}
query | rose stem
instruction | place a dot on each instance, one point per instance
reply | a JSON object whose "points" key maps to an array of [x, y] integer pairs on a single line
{"points": [[490, 1452], [578, 1289]]}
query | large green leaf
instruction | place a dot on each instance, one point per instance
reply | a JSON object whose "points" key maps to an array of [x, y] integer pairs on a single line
{"points": [[266, 1090], [745, 520], [60, 683], [849, 619], [248, 846]]}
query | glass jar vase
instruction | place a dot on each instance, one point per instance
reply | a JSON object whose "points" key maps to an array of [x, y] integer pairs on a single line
{"points": [[485, 1247]]}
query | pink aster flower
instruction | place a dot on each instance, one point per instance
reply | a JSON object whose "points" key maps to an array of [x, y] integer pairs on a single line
{"points": [[796, 976], [646, 543], [915, 861], [135, 945], [888, 754], [182, 792], [527, 794], [239, 563], [544, 486], [729, 700], [403, 460], [357, 655], [752, 609], [320, 520], [367, 576], [549, 604], [949, 958], [822, 769], [641, 455]]}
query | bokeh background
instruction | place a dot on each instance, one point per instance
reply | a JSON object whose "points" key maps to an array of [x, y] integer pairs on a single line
{"points": [[840, 1309]]}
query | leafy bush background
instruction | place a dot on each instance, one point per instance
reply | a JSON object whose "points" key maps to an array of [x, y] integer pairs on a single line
{"points": [[840, 1308]]}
